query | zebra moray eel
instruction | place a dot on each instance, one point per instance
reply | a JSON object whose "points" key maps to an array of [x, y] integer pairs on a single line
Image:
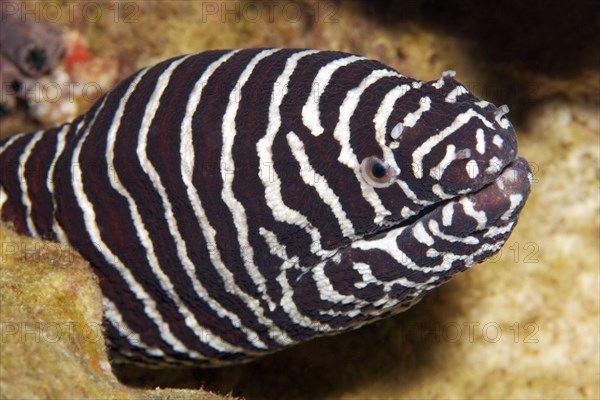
{"points": [[234, 203]]}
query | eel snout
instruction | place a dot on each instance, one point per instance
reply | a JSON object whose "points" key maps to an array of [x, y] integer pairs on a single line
{"points": [[502, 200]]}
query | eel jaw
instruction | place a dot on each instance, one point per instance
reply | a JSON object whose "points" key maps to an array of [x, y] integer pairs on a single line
{"points": [[458, 233], [460, 219], [388, 272]]}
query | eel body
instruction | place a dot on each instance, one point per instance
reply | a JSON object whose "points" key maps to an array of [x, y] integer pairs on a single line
{"points": [[234, 203]]}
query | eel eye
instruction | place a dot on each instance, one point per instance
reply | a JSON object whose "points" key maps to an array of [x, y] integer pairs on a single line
{"points": [[377, 173]]}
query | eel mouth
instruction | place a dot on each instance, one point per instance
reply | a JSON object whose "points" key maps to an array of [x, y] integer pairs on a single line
{"points": [[447, 237], [500, 200]]}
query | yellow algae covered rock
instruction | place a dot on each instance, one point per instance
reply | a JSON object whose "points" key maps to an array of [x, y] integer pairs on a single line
{"points": [[51, 337]]}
